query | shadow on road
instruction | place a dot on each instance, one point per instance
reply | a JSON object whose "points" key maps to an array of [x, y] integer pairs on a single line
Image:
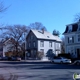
{"points": [[39, 65], [58, 66]]}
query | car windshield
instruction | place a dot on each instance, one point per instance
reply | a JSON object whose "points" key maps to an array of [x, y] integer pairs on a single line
{"points": [[63, 57]]}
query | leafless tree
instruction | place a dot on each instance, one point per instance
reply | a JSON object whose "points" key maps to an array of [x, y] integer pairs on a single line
{"points": [[63, 45], [37, 26], [2, 9], [17, 35], [77, 17]]}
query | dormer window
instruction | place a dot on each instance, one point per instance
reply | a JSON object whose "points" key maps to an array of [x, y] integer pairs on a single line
{"points": [[69, 28]]}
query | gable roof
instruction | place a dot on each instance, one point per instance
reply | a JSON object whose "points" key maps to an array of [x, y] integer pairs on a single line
{"points": [[46, 35], [9, 41]]}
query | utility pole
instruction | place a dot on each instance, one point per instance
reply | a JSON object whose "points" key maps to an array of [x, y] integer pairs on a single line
{"points": [[25, 45]]}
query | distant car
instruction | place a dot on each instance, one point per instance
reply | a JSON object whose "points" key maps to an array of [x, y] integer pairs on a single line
{"points": [[18, 59], [13, 58], [76, 62], [61, 60]]}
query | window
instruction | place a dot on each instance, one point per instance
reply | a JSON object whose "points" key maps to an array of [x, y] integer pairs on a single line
{"points": [[34, 44], [71, 39], [69, 28], [78, 37], [50, 44], [31, 37], [42, 43], [29, 44], [42, 50], [57, 45]]}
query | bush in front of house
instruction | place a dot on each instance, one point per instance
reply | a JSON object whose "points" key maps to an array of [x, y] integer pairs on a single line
{"points": [[50, 55], [40, 55]]}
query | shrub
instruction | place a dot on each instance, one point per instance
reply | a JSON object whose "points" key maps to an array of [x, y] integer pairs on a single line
{"points": [[40, 55]]}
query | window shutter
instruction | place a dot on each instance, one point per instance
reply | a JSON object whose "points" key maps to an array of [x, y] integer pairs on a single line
{"points": [[68, 39], [72, 39]]}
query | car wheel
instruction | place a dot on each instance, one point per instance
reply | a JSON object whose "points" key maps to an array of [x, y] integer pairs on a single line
{"points": [[77, 63], [52, 61]]}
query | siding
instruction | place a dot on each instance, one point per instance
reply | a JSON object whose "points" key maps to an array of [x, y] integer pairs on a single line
{"points": [[46, 46], [31, 41]]}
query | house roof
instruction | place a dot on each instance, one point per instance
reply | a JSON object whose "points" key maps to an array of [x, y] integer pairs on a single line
{"points": [[10, 40], [74, 27], [46, 35]]}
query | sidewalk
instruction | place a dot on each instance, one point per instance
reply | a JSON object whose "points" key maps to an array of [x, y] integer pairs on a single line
{"points": [[28, 61], [4, 64], [35, 60]]}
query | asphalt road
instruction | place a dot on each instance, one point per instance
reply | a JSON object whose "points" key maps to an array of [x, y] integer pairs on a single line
{"points": [[39, 71]]}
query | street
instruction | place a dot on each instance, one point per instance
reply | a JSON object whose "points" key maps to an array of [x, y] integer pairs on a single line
{"points": [[39, 71]]}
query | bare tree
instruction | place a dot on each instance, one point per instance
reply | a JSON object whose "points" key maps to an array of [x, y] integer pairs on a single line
{"points": [[17, 35], [2, 9], [37, 26], [63, 45], [77, 17]]}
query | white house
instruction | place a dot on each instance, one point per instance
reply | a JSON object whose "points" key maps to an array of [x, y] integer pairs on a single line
{"points": [[42, 41], [72, 39], [8, 46]]}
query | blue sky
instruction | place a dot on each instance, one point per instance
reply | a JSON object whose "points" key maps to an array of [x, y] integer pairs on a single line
{"points": [[53, 14]]}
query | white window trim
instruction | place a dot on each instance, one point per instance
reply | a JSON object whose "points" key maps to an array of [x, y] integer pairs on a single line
{"points": [[41, 43], [69, 28], [50, 44]]}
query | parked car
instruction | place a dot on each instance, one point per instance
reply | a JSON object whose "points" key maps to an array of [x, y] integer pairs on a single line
{"points": [[13, 58], [18, 59], [76, 62], [61, 60]]}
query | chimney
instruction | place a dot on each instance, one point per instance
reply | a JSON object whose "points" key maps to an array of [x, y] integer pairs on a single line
{"points": [[42, 30]]}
